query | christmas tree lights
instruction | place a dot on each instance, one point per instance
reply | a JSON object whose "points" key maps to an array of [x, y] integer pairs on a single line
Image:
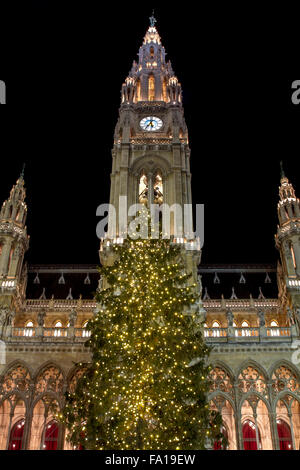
{"points": [[147, 384]]}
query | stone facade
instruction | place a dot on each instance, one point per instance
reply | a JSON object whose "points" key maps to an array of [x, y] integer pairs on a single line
{"points": [[254, 338]]}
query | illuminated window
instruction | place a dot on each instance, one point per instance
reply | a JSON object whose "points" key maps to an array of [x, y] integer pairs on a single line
{"points": [[275, 332], [251, 436], [151, 51], [138, 90], [16, 436], [165, 96], [29, 328], [151, 88], [58, 326], [158, 190], [216, 325], [245, 331], [143, 189], [85, 333], [284, 435], [51, 436]]}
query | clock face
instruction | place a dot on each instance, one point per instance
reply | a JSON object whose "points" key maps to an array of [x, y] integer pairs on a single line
{"points": [[151, 123]]}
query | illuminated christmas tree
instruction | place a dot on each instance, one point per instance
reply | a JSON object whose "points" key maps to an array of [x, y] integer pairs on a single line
{"points": [[147, 384]]}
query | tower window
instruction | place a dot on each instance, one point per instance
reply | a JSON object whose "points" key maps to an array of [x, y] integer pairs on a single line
{"points": [[151, 51], [158, 190], [151, 88], [143, 189]]}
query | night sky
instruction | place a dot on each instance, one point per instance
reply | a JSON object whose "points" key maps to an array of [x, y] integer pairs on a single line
{"points": [[64, 67]]}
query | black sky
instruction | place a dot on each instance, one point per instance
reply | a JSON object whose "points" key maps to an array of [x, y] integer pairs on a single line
{"points": [[64, 64]]}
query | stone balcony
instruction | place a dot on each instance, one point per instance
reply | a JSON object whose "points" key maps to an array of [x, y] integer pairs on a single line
{"points": [[230, 335]]}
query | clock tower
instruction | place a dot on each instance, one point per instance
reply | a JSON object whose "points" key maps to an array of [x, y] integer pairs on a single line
{"points": [[151, 154]]}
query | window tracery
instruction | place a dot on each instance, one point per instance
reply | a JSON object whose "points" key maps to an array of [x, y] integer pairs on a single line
{"points": [[251, 380], [17, 378], [51, 379], [284, 379], [220, 380]]}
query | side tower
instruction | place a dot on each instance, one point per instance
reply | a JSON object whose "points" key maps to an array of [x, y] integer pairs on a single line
{"points": [[151, 154], [288, 243], [14, 243]]}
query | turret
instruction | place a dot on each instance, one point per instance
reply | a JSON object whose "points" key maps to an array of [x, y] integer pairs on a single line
{"points": [[14, 243], [288, 239]]}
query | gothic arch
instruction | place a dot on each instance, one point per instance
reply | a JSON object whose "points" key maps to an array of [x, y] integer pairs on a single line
{"points": [[251, 363], [49, 378], [16, 363], [284, 377], [287, 364], [254, 395], [75, 373], [149, 163], [226, 396], [224, 366], [16, 378]]}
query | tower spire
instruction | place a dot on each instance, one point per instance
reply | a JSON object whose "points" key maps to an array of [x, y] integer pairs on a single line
{"points": [[23, 171], [282, 170], [153, 20]]}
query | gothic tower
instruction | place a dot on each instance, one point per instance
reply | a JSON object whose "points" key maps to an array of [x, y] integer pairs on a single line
{"points": [[14, 243], [288, 242], [151, 155]]}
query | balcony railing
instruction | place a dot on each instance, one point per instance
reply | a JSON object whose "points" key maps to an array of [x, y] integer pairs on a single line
{"points": [[211, 335]]}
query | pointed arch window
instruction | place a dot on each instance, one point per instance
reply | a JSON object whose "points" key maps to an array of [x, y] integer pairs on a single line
{"points": [[284, 435], [158, 189], [29, 328], [16, 435], [216, 326], [151, 88], [251, 436], [85, 332], [143, 189], [51, 436], [57, 326], [245, 329], [275, 328]]}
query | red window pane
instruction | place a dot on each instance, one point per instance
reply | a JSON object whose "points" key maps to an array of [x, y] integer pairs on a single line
{"points": [[249, 436], [284, 434], [16, 436], [51, 436]]}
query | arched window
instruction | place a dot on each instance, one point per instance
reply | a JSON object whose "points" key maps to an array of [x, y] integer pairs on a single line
{"points": [[85, 333], [151, 88], [51, 436], [29, 328], [143, 189], [284, 435], [274, 332], [216, 325], [57, 326], [251, 436], [158, 189], [151, 51], [205, 332], [16, 436], [246, 331], [138, 90]]}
